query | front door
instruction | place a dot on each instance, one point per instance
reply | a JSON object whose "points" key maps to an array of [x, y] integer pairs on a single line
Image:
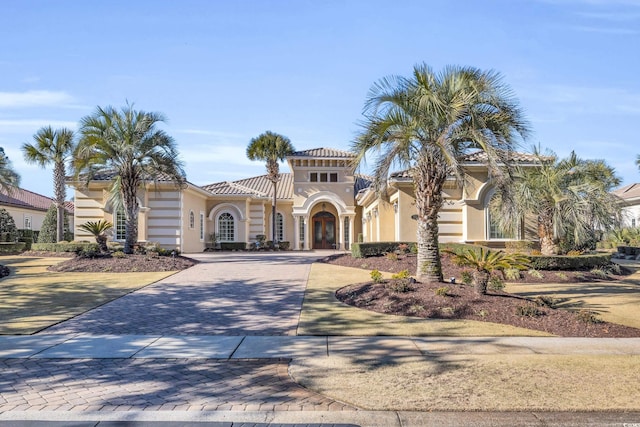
{"points": [[324, 231]]}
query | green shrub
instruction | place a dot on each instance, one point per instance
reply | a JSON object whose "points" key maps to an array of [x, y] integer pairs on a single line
{"points": [[284, 245], [119, 254], [8, 230], [399, 285], [496, 284], [545, 301], [614, 268], [376, 276], [535, 273], [442, 292], [89, 252], [587, 316], [561, 276], [404, 274], [364, 250], [466, 277], [528, 311], [599, 273], [11, 247], [560, 262], [48, 230], [512, 274], [233, 246], [64, 247]]}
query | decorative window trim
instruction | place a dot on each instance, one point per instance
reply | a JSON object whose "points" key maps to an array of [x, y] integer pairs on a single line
{"points": [[192, 220], [225, 237], [202, 226], [119, 225]]}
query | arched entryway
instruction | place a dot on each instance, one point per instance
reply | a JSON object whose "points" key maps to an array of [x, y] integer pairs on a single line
{"points": [[324, 230]]}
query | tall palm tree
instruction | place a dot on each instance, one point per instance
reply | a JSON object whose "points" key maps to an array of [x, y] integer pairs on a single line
{"points": [[272, 148], [426, 123], [570, 199], [53, 147], [129, 143], [9, 178]]}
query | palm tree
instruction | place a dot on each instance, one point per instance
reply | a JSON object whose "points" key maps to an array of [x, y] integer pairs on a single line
{"points": [[53, 147], [485, 262], [128, 143], [272, 148], [98, 229], [570, 199], [9, 178], [426, 123]]}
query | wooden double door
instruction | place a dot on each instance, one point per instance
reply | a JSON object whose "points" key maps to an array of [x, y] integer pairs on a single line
{"points": [[324, 231]]}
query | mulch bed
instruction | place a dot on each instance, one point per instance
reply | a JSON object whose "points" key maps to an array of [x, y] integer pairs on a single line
{"points": [[462, 302]]}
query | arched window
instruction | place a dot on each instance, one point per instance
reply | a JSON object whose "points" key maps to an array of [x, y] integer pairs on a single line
{"points": [[226, 227], [494, 231], [279, 227], [120, 225], [192, 220]]}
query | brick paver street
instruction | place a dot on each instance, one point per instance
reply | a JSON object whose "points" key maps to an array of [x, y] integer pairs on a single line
{"points": [[225, 294], [154, 385]]}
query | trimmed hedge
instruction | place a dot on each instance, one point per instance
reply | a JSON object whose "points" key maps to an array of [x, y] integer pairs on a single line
{"points": [[65, 247], [629, 250], [364, 250], [563, 262], [11, 248], [233, 246]]}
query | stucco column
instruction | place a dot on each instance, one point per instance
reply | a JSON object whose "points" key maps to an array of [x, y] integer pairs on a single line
{"points": [[306, 232], [143, 213], [351, 223], [340, 229], [296, 232]]}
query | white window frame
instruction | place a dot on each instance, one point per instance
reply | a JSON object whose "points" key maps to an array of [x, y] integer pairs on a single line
{"points": [[280, 234], [119, 225], [28, 222], [219, 233], [202, 226]]}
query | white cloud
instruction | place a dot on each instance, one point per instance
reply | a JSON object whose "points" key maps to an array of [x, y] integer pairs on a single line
{"points": [[28, 125], [34, 98], [607, 30]]}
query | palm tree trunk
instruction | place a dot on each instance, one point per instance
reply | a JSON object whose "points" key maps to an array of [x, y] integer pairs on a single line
{"points": [[480, 281], [60, 193], [130, 201], [548, 244], [273, 214], [428, 182]]}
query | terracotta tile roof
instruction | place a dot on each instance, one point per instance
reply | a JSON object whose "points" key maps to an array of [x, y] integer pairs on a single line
{"points": [[20, 197], [631, 191], [258, 186], [324, 153], [108, 175]]}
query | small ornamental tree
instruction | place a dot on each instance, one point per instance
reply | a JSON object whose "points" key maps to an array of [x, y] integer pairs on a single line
{"points": [[8, 230], [98, 229], [49, 230]]}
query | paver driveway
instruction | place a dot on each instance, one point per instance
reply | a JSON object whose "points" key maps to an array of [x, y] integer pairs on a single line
{"points": [[225, 294]]}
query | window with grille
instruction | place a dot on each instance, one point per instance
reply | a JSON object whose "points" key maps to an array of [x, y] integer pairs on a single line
{"points": [[226, 227], [279, 227], [346, 233], [192, 220], [201, 226], [120, 225]]}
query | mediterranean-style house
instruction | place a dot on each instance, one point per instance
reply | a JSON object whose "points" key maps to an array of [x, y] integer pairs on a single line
{"points": [[321, 204], [28, 209]]}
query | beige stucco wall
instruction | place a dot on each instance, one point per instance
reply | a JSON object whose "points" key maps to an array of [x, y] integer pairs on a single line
{"points": [[20, 214], [193, 238], [238, 207]]}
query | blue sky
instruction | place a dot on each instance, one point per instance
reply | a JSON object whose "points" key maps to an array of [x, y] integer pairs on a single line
{"points": [[225, 71]]}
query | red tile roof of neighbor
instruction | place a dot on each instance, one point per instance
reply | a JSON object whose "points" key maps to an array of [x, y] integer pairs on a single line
{"points": [[22, 198]]}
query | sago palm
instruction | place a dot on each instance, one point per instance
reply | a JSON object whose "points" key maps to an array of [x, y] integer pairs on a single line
{"points": [[129, 143], [9, 178], [99, 230], [570, 199], [485, 261], [271, 148], [52, 147], [426, 123]]}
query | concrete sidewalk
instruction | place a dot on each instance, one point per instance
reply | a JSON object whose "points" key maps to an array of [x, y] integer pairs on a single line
{"points": [[79, 346]]}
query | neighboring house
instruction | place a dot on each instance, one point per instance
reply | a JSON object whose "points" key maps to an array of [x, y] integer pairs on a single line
{"points": [[630, 201], [28, 209], [321, 204]]}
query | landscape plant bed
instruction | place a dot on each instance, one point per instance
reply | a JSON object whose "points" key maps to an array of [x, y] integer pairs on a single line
{"points": [[459, 301], [127, 264]]}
